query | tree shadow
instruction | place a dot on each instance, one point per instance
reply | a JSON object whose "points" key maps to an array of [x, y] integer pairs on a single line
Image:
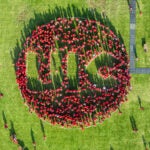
{"points": [[4, 119], [133, 124]]}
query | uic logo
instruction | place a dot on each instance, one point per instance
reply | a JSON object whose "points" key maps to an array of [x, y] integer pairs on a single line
{"points": [[74, 92]]}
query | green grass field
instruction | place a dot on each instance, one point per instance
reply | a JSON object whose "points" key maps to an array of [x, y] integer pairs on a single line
{"points": [[92, 70], [143, 34], [114, 133]]}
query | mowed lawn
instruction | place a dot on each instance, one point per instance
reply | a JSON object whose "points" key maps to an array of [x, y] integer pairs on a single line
{"points": [[143, 33], [114, 133]]}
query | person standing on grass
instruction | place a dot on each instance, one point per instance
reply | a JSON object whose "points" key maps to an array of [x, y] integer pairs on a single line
{"points": [[1, 95], [14, 139], [5, 126]]}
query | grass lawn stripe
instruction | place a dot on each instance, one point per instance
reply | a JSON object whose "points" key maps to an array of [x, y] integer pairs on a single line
{"points": [[72, 71], [31, 65]]}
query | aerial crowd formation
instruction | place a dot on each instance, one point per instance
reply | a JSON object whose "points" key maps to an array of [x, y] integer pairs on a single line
{"points": [[87, 104]]}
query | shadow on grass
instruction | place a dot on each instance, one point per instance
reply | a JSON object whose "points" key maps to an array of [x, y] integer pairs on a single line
{"points": [[139, 100], [4, 119], [33, 139], [144, 142], [138, 6], [105, 60], [22, 145], [12, 129], [73, 83], [111, 148], [140, 103], [42, 128], [100, 82], [56, 79], [135, 52], [52, 14], [34, 84], [143, 41], [133, 124], [128, 3]]}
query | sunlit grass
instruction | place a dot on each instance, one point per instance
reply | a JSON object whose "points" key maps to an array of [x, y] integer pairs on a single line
{"points": [[115, 131]]}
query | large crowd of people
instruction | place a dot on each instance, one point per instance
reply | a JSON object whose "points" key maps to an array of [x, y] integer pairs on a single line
{"points": [[87, 104]]}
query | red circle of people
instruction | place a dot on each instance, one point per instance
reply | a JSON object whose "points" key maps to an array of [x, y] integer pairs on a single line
{"points": [[88, 104]]}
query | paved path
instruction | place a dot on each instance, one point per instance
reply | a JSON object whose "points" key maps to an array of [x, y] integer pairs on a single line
{"points": [[132, 33], [133, 69], [140, 70]]}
